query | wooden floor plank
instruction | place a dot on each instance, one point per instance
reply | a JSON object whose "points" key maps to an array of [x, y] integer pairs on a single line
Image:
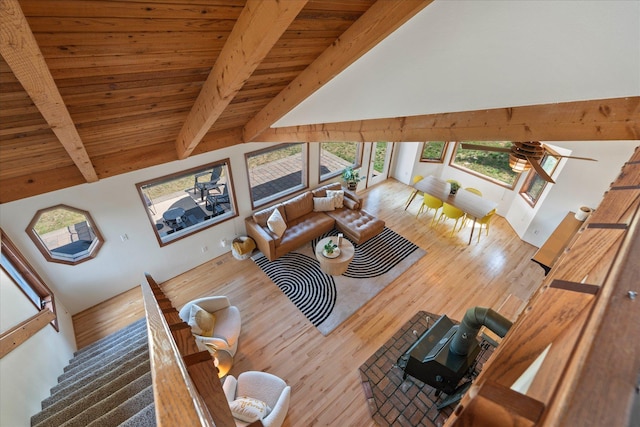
{"points": [[323, 371]]}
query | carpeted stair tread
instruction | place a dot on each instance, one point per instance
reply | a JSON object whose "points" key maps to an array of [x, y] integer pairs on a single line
{"points": [[126, 410], [99, 371], [139, 365], [107, 342], [96, 410], [138, 324], [73, 403], [133, 335], [131, 343], [107, 383], [144, 418], [114, 357]]}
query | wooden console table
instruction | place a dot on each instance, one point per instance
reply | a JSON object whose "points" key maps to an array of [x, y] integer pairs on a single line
{"points": [[549, 253]]}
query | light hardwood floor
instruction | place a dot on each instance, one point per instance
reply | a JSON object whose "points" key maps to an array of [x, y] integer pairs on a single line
{"points": [[323, 371]]}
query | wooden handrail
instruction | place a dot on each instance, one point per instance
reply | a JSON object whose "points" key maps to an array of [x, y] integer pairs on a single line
{"points": [[186, 387], [15, 336]]}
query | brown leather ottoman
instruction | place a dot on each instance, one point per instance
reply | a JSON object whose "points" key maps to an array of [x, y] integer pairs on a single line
{"points": [[357, 225]]}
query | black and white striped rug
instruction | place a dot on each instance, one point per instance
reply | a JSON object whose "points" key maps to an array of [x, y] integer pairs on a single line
{"points": [[329, 300]]}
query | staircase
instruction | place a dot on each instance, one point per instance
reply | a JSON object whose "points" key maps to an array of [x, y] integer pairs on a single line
{"points": [[107, 383]]}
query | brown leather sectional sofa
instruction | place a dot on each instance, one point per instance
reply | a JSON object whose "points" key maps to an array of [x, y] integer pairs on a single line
{"points": [[304, 224]]}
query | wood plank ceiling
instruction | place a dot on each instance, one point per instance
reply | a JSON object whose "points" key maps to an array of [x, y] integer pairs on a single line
{"points": [[92, 89]]}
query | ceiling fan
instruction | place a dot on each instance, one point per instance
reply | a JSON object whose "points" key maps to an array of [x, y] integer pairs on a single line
{"points": [[524, 155]]}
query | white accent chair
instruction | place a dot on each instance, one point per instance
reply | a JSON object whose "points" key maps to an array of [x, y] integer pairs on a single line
{"points": [[227, 327], [262, 386]]}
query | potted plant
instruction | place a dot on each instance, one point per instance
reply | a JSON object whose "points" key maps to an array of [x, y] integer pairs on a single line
{"points": [[455, 186], [330, 248], [351, 177]]}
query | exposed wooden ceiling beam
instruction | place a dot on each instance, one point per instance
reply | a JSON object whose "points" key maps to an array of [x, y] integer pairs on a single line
{"points": [[378, 22], [20, 50], [605, 119], [258, 28]]}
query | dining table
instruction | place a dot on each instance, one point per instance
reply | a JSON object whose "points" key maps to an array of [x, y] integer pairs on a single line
{"points": [[473, 205]]}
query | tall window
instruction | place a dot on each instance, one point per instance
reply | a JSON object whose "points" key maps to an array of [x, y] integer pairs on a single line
{"points": [[433, 151], [276, 172], [25, 277], [335, 156], [186, 202], [534, 185], [490, 165]]}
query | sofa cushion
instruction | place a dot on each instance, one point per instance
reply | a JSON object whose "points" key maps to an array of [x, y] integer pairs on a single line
{"points": [[263, 215], [359, 226], [298, 206], [276, 223], [350, 203], [323, 204], [305, 229], [322, 191]]}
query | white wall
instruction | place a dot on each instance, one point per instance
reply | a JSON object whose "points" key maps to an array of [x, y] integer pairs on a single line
{"points": [[469, 55], [29, 371], [116, 208], [580, 183]]}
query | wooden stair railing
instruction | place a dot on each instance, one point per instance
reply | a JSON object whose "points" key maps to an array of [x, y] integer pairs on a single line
{"points": [[585, 315], [186, 387]]}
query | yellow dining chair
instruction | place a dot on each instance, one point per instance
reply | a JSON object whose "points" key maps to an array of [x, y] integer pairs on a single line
{"points": [[414, 192], [486, 221], [474, 191], [451, 212], [430, 202]]}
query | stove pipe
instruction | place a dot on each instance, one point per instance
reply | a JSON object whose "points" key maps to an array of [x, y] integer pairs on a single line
{"points": [[474, 319]]}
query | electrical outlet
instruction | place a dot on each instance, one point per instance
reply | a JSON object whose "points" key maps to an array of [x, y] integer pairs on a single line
{"points": [[204, 249], [124, 237]]}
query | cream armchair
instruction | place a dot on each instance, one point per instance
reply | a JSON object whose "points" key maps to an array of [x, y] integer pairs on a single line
{"points": [[262, 386], [227, 324]]}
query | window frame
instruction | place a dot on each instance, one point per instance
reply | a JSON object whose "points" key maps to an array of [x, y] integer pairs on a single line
{"points": [[85, 255], [532, 175], [434, 160], [29, 277], [211, 221], [304, 174], [478, 174], [355, 165]]}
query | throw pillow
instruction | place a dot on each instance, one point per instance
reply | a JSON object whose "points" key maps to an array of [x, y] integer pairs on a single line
{"points": [[276, 223], [201, 321], [248, 409], [322, 204], [338, 198]]}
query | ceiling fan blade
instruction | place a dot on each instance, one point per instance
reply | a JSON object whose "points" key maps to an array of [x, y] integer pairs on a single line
{"points": [[541, 172], [579, 158], [485, 148]]}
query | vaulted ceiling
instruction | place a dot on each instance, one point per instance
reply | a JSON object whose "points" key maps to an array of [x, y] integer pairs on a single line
{"points": [[92, 89]]}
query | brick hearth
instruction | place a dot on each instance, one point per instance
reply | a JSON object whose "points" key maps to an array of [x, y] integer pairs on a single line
{"points": [[397, 402]]}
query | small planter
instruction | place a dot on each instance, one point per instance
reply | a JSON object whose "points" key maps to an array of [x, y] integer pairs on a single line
{"points": [[455, 186], [351, 178]]}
